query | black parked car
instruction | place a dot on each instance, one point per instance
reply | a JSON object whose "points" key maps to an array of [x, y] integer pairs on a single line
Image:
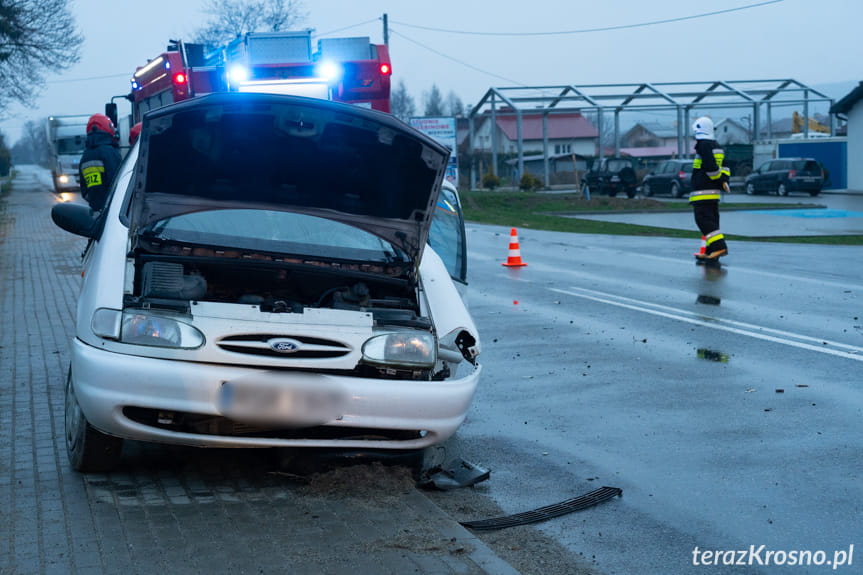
{"points": [[611, 176], [670, 177], [786, 175]]}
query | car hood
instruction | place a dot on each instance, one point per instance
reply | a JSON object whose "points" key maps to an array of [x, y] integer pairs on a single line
{"points": [[264, 151]]}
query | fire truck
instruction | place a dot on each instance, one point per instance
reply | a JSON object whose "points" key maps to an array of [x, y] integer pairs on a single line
{"points": [[351, 70]]}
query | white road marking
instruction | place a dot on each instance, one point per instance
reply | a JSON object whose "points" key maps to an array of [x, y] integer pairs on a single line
{"points": [[740, 328]]}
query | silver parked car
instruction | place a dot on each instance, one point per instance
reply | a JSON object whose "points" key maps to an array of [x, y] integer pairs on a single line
{"points": [[261, 277]]}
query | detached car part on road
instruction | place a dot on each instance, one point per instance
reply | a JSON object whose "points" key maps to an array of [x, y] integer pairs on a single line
{"points": [[260, 277]]}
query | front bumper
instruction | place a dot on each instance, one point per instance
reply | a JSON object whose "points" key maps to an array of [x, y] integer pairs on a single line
{"points": [[110, 386]]}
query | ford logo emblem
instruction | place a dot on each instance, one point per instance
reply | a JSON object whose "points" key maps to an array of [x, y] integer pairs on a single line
{"points": [[285, 345]]}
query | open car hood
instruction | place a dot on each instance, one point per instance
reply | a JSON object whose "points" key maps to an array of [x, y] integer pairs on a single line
{"points": [[264, 151]]}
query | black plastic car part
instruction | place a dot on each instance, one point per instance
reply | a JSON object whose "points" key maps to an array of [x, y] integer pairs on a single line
{"points": [[547, 512]]}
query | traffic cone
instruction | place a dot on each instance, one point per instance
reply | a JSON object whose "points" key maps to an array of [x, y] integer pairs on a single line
{"points": [[514, 257], [703, 251]]}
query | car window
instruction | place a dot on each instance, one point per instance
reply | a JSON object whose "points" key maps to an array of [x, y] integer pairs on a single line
{"points": [[660, 168], [617, 165], [447, 235], [687, 167], [275, 232], [806, 166]]}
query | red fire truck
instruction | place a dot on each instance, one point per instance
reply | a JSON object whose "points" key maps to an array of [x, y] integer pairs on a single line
{"points": [[351, 70]]}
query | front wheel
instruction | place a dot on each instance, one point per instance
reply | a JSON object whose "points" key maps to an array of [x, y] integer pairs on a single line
{"points": [[675, 190], [782, 191], [750, 189], [88, 449]]}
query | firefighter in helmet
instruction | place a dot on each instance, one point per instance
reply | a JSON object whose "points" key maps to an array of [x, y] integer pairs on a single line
{"points": [[100, 161], [709, 180]]}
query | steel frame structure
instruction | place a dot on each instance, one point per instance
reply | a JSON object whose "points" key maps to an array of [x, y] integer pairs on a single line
{"points": [[682, 97]]}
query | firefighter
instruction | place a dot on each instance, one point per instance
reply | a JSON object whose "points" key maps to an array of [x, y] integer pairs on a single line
{"points": [[99, 162], [709, 180]]}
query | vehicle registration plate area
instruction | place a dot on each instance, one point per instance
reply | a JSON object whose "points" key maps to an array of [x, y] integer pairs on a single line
{"points": [[286, 405]]}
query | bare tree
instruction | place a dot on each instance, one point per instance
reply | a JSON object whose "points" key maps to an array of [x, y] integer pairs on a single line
{"points": [[36, 37], [454, 105], [33, 146], [402, 104], [434, 104], [230, 18]]}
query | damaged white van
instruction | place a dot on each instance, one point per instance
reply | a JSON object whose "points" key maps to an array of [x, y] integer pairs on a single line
{"points": [[261, 277]]}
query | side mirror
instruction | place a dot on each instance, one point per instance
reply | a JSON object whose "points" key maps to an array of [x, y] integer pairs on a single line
{"points": [[76, 219]]}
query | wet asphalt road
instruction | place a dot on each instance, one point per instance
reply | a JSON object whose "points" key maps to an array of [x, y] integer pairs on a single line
{"points": [[727, 424]]}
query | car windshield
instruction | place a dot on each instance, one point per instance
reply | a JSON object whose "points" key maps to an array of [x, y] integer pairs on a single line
{"points": [[73, 145], [275, 232]]}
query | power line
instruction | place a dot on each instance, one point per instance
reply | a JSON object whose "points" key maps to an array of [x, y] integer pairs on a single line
{"points": [[347, 27], [126, 75], [456, 60], [589, 30]]}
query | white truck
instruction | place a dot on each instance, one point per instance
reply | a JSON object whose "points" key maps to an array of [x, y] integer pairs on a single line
{"points": [[67, 136]]}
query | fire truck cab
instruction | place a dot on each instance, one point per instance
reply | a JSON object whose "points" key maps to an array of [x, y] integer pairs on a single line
{"points": [[351, 70]]}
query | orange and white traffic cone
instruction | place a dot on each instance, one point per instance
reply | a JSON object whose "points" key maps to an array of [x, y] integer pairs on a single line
{"points": [[514, 257], [703, 251]]}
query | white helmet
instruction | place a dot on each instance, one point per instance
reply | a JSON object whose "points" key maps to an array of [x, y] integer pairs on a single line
{"points": [[702, 129]]}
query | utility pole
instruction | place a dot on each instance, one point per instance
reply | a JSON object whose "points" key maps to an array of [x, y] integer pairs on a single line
{"points": [[386, 32]]}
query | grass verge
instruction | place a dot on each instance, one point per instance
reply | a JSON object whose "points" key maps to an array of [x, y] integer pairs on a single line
{"points": [[537, 211]]}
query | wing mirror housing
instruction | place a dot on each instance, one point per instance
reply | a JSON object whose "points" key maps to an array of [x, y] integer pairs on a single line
{"points": [[77, 219]]}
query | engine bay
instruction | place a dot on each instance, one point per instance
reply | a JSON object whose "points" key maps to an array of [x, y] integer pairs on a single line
{"points": [[276, 286]]}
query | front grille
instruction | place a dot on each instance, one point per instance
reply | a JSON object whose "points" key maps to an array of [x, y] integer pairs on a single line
{"points": [[295, 346]]}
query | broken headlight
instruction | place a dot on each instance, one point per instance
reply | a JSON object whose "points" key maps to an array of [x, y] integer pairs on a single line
{"points": [[408, 349]]}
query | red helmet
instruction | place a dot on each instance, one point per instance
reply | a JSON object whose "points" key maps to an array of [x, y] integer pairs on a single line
{"points": [[134, 132], [102, 123]]}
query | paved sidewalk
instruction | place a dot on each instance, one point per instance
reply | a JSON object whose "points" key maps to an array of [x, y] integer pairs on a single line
{"points": [[171, 509]]}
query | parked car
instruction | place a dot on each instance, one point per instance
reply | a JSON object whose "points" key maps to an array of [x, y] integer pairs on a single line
{"points": [[611, 176], [786, 175], [670, 177], [260, 277]]}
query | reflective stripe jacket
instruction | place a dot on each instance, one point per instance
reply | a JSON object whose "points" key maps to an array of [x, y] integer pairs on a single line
{"points": [[707, 171], [97, 168]]}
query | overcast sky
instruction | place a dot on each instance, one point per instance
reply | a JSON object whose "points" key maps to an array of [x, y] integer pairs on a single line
{"points": [[814, 42]]}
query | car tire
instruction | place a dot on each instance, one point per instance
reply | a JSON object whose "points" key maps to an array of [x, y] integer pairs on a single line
{"points": [[750, 189], [675, 190], [646, 191], [814, 193], [630, 193], [88, 449], [782, 190]]}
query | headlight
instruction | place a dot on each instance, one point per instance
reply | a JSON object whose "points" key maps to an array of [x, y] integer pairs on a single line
{"points": [[409, 349], [144, 328]]}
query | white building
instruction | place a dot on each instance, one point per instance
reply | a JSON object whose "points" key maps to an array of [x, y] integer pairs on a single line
{"points": [[851, 108]]}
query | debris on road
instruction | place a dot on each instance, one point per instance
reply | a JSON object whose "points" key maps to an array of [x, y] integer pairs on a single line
{"points": [[547, 512], [452, 475]]}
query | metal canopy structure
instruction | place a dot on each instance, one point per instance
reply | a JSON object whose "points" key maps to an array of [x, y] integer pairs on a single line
{"points": [[761, 96]]}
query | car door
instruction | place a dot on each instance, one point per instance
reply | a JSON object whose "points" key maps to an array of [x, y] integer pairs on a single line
{"points": [[778, 169], [762, 178], [447, 236], [657, 179]]}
